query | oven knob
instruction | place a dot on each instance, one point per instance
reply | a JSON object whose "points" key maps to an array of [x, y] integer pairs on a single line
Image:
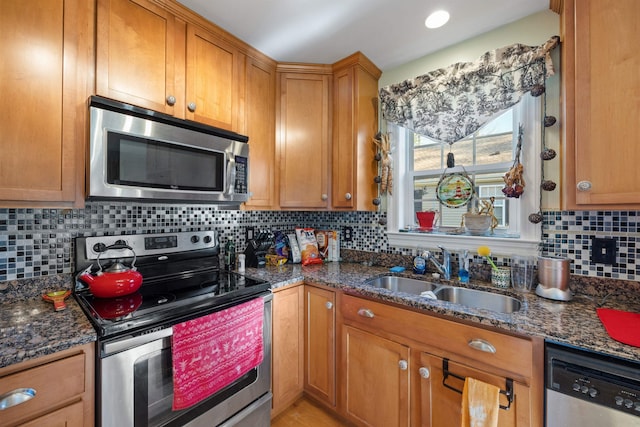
{"points": [[584, 389], [637, 406], [593, 392], [575, 387], [195, 239], [619, 400], [628, 403], [207, 239]]}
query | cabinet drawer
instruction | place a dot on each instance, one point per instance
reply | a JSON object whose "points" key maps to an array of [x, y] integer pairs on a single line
{"points": [[54, 383], [505, 352]]}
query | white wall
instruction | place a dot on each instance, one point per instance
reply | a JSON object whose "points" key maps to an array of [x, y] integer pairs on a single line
{"points": [[533, 30]]}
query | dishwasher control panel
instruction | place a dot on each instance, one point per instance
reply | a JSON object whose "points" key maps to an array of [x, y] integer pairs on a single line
{"points": [[595, 378]]}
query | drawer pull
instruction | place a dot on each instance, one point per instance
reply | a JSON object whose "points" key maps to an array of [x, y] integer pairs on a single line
{"points": [[329, 305], [403, 365], [482, 345], [16, 397], [365, 312], [424, 372]]}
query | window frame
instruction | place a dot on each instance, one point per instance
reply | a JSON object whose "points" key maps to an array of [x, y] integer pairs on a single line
{"points": [[400, 205]]}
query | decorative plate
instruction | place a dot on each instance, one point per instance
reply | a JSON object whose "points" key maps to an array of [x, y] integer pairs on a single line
{"points": [[455, 190]]}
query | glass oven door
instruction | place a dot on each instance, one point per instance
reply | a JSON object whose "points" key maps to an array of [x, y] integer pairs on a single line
{"points": [[135, 386]]}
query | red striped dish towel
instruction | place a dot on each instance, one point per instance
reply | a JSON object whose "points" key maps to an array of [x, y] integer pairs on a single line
{"points": [[213, 351]]}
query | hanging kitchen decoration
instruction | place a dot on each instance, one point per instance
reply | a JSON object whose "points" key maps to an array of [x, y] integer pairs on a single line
{"points": [[546, 154], [385, 179], [455, 189], [513, 179]]}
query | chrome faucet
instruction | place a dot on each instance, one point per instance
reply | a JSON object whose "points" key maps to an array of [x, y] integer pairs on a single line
{"points": [[445, 267]]}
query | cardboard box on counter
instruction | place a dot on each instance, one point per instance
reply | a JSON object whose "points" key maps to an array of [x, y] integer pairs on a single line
{"points": [[329, 244]]}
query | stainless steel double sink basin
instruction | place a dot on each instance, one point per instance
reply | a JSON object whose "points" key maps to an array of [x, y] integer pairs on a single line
{"points": [[453, 294]]}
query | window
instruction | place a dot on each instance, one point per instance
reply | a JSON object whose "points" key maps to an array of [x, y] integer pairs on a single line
{"points": [[484, 156]]}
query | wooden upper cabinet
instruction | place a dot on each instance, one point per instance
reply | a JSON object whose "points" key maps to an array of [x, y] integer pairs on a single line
{"points": [[259, 120], [601, 85], [136, 55], [355, 88], [150, 57], [213, 77], [303, 135], [46, 57]]}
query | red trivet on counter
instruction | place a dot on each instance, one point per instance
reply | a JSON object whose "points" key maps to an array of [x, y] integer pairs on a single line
{"points": [[622, 326]]}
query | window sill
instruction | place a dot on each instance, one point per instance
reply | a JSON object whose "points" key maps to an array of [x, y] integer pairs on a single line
{"points": [[499, 245]]}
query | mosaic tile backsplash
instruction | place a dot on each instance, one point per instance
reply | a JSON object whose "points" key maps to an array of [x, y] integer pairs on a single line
{"points": [[40, 242]]}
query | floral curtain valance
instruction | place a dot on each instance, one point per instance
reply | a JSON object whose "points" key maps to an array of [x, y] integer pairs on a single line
{"points": [[451, 103]]}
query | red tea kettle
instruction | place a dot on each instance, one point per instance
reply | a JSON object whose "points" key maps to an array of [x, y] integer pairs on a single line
{"points": [[115, 281]]}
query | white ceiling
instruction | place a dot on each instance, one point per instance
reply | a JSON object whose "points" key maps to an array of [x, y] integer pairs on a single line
{"points": [[389, 32]]}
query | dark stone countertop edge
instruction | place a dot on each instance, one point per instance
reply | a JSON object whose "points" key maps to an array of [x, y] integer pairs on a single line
{"points": [[30, 328], [574, 323]]}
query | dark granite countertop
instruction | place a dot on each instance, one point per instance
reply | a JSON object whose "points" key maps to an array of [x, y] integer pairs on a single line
{"points": [[574, 323], [30, 328]]}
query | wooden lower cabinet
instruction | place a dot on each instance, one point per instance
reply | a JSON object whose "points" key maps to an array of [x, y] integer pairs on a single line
{"points": [[287, 346], [376, 379], [391, 367], [441, 406], [64, 389], [320, 344]]}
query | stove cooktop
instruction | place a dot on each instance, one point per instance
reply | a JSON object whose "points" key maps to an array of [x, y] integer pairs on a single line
{"points": [[179, 282], [161, 302]]}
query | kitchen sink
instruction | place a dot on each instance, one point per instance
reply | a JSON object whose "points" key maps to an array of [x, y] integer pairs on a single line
{"points": [[401, 284], [478, 299]]}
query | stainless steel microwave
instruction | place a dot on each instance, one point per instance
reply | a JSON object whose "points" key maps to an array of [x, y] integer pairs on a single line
{"points": [[144, 155]]}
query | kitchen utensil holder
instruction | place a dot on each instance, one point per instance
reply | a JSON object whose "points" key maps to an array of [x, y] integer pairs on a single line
{"points": [[446, 373]]}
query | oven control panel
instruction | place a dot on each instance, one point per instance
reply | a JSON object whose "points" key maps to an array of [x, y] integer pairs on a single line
{"points": [[149, 244]]}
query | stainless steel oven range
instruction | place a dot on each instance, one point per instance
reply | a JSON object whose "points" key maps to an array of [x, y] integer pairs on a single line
{"points": [[182, 281]]}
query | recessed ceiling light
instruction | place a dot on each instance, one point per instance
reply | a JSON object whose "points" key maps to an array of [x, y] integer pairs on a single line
{"points": [[437, 19]]}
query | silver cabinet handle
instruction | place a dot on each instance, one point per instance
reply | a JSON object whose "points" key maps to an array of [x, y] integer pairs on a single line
{"points": [[16, 397], [365, 312], [403, 365], [482, 345], [584, 186], [324, 197], [192, 106], [424, 372], [171, 100], [347, 196], [329, 305]]}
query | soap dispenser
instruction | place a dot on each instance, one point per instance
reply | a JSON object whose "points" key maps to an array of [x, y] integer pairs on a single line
{"points": [[463, 266]]}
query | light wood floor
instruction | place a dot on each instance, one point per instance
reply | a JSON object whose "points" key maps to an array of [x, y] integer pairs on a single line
{"points": [[305, 413]]}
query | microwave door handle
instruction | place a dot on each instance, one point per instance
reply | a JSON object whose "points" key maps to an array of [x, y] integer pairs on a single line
{"points": [[231, 173]]}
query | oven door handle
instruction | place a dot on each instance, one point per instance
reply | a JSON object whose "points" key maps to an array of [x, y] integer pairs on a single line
{"points": [[125, 343]]}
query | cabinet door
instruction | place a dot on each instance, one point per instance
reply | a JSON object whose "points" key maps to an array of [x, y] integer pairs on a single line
{"points": [[320, 343], [288, 347], [46, 49], [600, 69], [260, 128], [441, 407], [72, 415], [376, 379], [303, 140], [213, 77], [136, 54], [354, 126]]}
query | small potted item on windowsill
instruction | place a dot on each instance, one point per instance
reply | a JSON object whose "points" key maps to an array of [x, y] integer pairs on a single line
{"points": [[478, 223]]}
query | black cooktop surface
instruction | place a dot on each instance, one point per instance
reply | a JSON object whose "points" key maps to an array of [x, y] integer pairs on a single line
{"points": [[166, 298]]}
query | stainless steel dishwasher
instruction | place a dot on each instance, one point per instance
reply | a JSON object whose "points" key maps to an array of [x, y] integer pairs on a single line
{"points": [[589, 389]]}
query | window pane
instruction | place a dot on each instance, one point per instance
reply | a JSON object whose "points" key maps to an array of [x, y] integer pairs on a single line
{"points": [[487, 185]]}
